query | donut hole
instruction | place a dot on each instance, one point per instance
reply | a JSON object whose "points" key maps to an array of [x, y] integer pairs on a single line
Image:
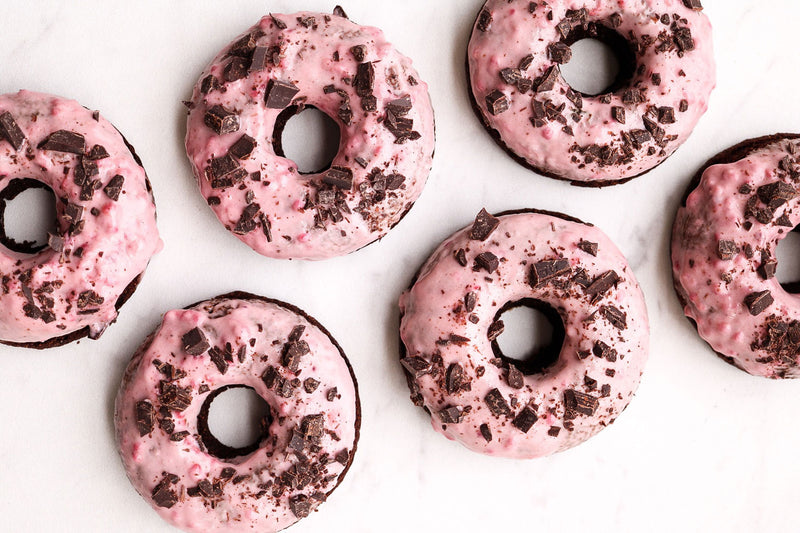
{"points": [[787, 253], [602, 60], [27, 215], [308, 137], [233, 422], [532, 336]]}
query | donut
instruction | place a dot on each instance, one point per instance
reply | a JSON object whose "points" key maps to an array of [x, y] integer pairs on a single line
{"points": [[736, 210], [667, 73], [284, 64], [309, 438], [105, 232], [451, 318]]}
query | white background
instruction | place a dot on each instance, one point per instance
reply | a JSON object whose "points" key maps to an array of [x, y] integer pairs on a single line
{"points": [[703, 446]]}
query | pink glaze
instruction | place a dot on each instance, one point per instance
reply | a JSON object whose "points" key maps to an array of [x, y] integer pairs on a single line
{"points": [[249, 499], [287, 199], [117, 242], [433, 310], [714, 287], [515, 32]]}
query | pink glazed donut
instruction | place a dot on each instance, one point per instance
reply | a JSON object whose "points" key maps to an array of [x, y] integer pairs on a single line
{"points": [[237, 340], [350, 73], [451, 318], [105, 221], [737, 209], [667, 74]]}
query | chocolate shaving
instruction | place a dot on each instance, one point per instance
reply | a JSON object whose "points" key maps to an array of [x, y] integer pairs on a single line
{"points": [[339, 12], [281, 25], [64, 141], [484, 226], [470, 301], [617, 318], [89, 299], [247, 220], [279, 94]]}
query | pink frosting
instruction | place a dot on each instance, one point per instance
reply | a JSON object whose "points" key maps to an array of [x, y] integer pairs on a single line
{"points": [[433, 311], [722, 241], [54, 293], [388, 175], [253, 494], [593, 148]]}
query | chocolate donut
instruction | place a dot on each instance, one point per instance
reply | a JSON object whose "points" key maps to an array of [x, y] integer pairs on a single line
{"points": [[737, 209], [106, 221], [667, 74], [450, 319], [350, 73], [237, 340]]}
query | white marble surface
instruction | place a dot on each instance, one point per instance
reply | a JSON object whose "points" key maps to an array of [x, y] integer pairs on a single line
{"points": [[703, 447]]}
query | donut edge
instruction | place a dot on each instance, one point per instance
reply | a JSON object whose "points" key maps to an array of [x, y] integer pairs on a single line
{"points": [[730, 155]]}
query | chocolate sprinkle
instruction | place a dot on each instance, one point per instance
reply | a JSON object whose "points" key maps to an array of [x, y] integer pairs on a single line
{"points": [[580, 403], [11, 131], [484, 226], [525, 420], [280, 94], [758, 302], [64, 141], [194, 342], [497, 404], [221, 120]]}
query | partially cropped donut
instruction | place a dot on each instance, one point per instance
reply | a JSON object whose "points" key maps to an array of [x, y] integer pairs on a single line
{"points": [[237, 340], [350, 73], [450, 319], [105, 221], [667, 74], [740, 205]]}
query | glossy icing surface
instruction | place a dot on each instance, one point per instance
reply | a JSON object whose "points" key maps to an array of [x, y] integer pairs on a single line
{"points": [[102, 243], [273, 208], [579, 137], [571, 400], [723, 259], [296, 466]]}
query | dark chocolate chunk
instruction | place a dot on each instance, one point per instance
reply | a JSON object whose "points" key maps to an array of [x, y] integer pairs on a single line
{"points": [[580, 403], [632, 96], [454, 378], [559, 52], [261, 55], [308, 22], [244, 46], [778, 192], [486, 433], [369, 103], [331, 394], [247, 220], [604, 351], [525, 420], [484, 226], [339, 177], [364, 80], [544, 271], [497, 404], [281, 25], [470, 301], [416, 366], [400, 106], [280, 94], [64, 141], [511, 75], [487, 261], [271, 377], [89, 299], [11, 131], [300, 505], [97, 152], [451, 415], [547, 81], [145, 417], [683, 39], [194, 342], [310, 385], [727, 250], [515, 378], [218, 358], [590, 248], [114, 187], [484, 21], [313, 426], [339, 12], [768, 267], [236, 69], [693, 4], [495, 329], [666, 115], [461, 257], [179, 436], [293, 353], [497, 102], [683, 106], [209, 83], [758, 302], [526, 62], [602, 284], [221, 120], [163, 495], [359, 52], [617, 318], [243, 148], [554, 431]]}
